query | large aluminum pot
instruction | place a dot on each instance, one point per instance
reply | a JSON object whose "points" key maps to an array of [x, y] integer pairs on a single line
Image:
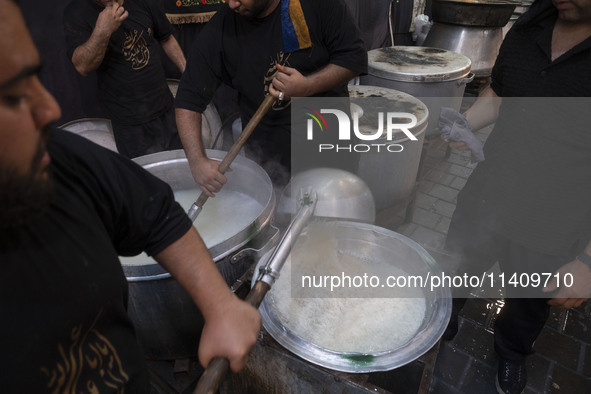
{"points": [[167, 322], [436, 76], [391, 176], [373, 246], [339, 194], [98, 130], [522, 8], [480, 44], [483, 13]]}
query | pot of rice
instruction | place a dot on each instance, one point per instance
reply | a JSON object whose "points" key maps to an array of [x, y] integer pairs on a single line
{"points": [[349, 298]]}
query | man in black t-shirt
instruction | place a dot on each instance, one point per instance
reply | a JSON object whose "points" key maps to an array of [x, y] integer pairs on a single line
{"points": [[527, 204], [118, 39], [68, 208], [244, 47]]}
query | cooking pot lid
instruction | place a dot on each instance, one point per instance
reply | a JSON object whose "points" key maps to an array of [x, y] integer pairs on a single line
{"points": [[398, 101], [373, 100], [418, 64]]}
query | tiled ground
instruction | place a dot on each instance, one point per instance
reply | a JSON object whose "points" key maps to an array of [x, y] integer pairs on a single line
{"points": [[467, 364]]}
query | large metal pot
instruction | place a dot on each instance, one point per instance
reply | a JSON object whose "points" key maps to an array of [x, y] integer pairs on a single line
{"points": [[98, 130], [436, 76], [373, 245], [483, 13], [167, 322], [480, 44], [391, 176], [521, 8], [339, 194]]}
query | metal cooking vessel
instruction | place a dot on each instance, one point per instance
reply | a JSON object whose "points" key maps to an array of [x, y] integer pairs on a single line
{"points": [[167, 322], [377, 244], [483, 13], [391, 177], [480, 44], [246, 177], [436, 76], [98, 130], [339, 194]]}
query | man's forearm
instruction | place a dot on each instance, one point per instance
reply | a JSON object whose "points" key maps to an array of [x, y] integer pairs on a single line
{"points": [[189, 127], [174, 52], [485, 110], [189, 261], [328, 77], [89, 56]]}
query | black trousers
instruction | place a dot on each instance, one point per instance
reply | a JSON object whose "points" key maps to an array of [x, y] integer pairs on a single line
{"points": [[525, 312]]}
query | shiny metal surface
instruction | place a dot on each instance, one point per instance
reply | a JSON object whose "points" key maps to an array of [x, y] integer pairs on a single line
{"points": [[168, 323], [480, 45], [391, 177], [271, 270], [439, 82], [482, 13], [97, 130], [417, 64], [340, 194], [246, 177], [383, 245]]}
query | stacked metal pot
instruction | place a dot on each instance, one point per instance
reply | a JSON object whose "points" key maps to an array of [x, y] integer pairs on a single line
{"points": [[472, 28]]}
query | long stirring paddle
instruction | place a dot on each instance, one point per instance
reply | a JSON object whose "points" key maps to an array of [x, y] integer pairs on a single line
{"points": [[219, 366], [197, 206]]}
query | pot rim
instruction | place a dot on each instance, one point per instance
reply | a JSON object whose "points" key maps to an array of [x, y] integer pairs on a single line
{"points": [[230, 245], [457, 68], [433, 325]]}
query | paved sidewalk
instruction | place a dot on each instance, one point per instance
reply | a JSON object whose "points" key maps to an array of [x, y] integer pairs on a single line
{"points": [[562, 363]]}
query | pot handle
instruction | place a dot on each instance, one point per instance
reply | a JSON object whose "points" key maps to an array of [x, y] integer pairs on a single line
{"points": [[260, 252], [469, 78]]}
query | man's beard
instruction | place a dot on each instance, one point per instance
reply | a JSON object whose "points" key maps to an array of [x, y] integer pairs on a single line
{"points": [[24, 197]]}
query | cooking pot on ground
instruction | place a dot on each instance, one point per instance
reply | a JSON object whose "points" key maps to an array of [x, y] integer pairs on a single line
{"points": [[167, 322], [391, 176], [372, 245]]}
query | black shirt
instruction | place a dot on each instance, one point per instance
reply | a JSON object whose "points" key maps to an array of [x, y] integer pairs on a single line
{"points": [[242, 52], [63, 291], [535, 185], [132, 82]]}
